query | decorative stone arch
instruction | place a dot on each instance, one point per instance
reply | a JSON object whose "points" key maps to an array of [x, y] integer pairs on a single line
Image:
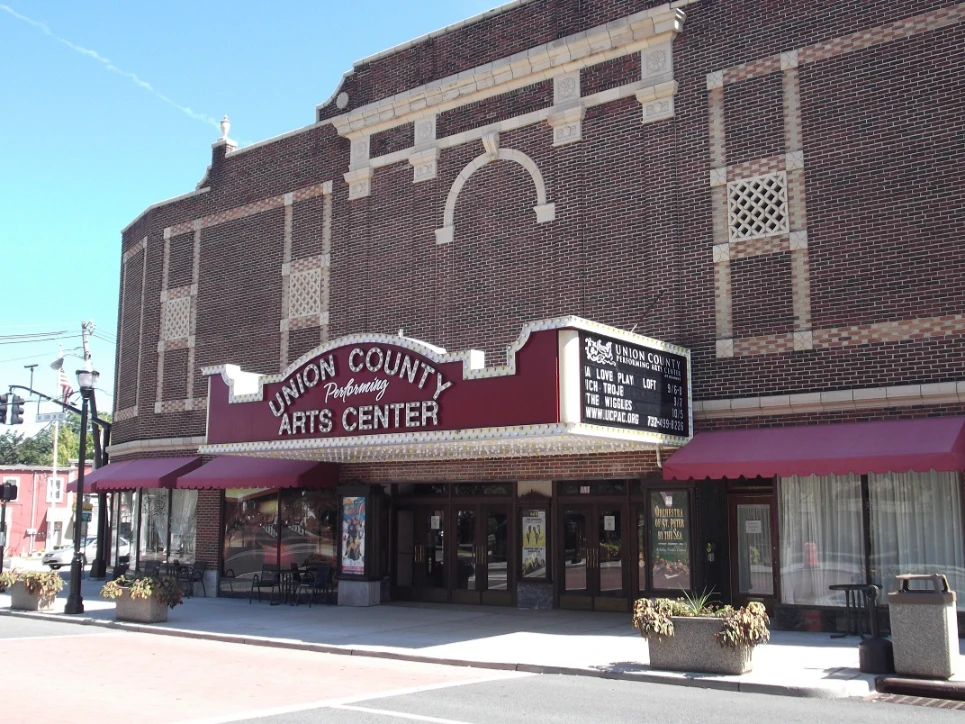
{"points": [[544, 211]]}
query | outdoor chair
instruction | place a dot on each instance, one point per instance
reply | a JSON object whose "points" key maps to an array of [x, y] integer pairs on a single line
{"points": [[152, 568], [229, 577], [316, 584], [294, 581], [196, 575], [270, 578]]}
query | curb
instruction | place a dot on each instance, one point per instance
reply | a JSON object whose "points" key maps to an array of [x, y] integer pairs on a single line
{"points": [[925, 688], [690, 679]]}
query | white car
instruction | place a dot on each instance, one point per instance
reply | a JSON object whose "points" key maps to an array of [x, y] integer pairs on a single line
{"points": [[63, 556]]}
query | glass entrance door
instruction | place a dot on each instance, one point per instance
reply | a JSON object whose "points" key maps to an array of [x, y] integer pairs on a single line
{"points": [[593, 568], [421, 572], [457, 553], [482, 536], [753, 550]]}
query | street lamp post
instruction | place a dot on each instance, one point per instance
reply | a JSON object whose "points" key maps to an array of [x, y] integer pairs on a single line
{"points": [[86, 379]]}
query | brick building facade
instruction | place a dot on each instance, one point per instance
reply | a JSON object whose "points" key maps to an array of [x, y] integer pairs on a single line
{"points": [[776, 187]]}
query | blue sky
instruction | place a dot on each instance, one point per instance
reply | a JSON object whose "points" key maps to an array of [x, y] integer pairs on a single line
{"points": [[109, 107]]}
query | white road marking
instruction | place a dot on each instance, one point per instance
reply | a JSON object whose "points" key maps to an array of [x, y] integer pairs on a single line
{"points": [[399, 714], [349, 700]]}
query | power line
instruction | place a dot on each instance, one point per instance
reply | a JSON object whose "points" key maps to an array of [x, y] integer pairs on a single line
{"points": [[34, 335], [36, 341]]}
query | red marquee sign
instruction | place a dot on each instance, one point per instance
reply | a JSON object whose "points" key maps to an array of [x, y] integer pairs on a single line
{"points": [[385, 385]]}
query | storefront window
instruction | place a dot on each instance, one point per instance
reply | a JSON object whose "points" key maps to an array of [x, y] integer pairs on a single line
{"points": [[821, 537], [308, 519], [916, 527], [251, 530], [125, 530], [184, 516], [153, 537], [266, 528], [670, 539]]}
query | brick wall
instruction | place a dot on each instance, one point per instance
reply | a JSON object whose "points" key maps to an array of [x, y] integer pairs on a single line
{"points": [[572, 467], [632, 243], [208, 541]]}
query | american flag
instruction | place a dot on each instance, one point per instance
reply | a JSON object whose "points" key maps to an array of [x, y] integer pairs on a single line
{"points": [[65, 388]]}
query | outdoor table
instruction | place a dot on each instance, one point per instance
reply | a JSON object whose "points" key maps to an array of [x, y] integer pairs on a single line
{"points": [[288, 585]]}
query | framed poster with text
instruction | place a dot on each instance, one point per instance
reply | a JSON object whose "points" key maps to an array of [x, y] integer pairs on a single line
{"points": [[670, 539], [533, 527], [353, 535]]}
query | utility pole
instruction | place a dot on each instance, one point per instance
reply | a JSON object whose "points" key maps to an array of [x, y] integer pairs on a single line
{"points": [[86, 329]]}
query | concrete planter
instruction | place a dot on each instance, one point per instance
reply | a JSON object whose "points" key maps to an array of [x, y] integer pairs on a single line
{"points": [[140, 610], [23, 600], [693, 648]]}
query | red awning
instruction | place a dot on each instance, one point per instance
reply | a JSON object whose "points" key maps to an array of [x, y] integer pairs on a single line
{"points": [[230, 471], [91, 479], [144, 473], [860, 447]]}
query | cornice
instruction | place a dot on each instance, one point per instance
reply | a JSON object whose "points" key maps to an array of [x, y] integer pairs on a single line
{"points": [[566, 55], [166, 444], [939, 393]]}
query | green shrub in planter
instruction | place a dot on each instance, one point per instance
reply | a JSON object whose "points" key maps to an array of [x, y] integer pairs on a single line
{"points": [[32, 590], [164, 590], [679, 633]]}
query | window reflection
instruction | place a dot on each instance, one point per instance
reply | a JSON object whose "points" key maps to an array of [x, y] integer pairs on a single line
{"points": [[265, 527]]}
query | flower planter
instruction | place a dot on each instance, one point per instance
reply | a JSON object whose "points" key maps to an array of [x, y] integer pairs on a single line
{"points": [[693, 648], [140, 610], [23, 600]]}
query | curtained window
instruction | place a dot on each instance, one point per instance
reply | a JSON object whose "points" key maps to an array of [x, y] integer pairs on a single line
{"points": [[822, 539], [916, 527], [154, 525]]}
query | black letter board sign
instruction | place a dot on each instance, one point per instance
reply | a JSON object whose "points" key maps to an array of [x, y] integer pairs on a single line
{"points": [[633, 386]]}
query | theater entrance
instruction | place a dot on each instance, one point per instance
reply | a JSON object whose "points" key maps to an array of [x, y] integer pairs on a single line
{"points": [[593, 566], [455, 549]]}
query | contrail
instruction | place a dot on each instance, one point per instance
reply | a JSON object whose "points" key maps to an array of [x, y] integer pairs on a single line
{"points": [[94, 55]]}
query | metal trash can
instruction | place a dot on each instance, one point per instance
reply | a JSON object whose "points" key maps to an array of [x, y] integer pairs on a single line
{"points": [[924, 627]]}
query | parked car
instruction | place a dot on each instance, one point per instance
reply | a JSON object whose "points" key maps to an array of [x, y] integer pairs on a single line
{"points": [[62, 556]]}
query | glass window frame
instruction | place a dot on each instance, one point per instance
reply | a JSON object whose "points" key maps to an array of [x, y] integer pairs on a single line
{"points": [[55, 489]]}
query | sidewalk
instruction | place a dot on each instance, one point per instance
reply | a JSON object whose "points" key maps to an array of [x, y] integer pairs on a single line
{"points": [[546, 641]]}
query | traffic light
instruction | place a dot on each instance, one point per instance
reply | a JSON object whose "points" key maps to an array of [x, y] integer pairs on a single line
{"points": [[16, 409], [4, 404], [8, 491]]}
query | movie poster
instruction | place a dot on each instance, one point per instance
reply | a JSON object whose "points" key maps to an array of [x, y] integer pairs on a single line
{"points": [[353, 536], [534, 544], [670, 539]]}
